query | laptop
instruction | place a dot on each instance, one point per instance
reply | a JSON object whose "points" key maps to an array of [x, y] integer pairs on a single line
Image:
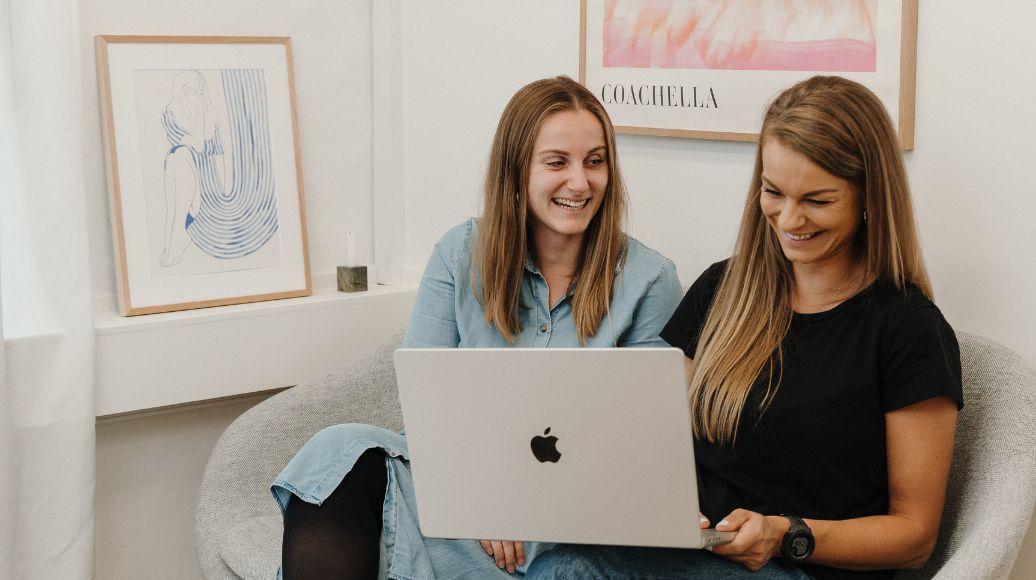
{"points": [[587, 446]]}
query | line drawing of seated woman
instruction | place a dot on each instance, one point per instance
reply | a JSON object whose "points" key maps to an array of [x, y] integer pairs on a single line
{"points": [[195, 160]]}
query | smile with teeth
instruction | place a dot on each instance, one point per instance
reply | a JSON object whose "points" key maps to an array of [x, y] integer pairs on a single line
{"points": [[569, 203], [800, 237]]}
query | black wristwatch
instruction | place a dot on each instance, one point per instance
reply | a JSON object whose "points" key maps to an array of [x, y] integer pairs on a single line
{"points": [[798, 542]]}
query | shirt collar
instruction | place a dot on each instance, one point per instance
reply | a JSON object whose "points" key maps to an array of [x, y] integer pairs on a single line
{"points": [[529, 265]]}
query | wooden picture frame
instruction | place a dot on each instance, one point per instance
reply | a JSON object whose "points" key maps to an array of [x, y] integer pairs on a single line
{"points": [[204, 172], [687, 68]]}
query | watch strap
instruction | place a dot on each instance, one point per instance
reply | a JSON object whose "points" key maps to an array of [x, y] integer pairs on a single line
{"points": [[797, 525]]}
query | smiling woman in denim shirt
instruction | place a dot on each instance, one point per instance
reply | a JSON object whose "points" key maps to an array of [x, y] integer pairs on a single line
{"points": [[546, 265]]}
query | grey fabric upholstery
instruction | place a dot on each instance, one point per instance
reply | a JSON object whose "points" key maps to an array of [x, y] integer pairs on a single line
{"points": [[992, 488], [989, 502], [238, 525]]}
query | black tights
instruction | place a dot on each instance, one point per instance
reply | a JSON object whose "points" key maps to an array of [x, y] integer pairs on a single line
{"points": [[342, 537]]}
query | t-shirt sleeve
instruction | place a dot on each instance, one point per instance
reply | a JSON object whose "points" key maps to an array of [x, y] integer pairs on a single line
{"points": [[921, 360], [684, 327]]}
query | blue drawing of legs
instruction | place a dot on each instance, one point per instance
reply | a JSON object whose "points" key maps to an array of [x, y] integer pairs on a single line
{"points": [[182, 197]]}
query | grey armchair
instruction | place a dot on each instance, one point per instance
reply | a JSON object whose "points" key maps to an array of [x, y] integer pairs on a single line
{"points": [[992, 488], [238, 526]]}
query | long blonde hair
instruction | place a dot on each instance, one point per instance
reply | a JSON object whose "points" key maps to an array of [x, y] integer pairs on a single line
{"points": [[842, 127], [502, 242]]}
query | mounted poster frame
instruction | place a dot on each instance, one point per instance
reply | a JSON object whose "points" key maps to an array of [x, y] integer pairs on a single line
{"points": [[706, 69], [204, 172]]}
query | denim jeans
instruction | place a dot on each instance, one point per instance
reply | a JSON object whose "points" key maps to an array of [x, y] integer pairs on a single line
{"points": [[567, 562]]}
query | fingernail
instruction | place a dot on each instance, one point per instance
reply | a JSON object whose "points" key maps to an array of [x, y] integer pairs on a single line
{"points": [[510, 569], [521, 561], [702, 519], [709, 548], [723, 523]]}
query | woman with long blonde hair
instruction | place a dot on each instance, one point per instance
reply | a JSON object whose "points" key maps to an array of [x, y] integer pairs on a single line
{"points": [[546, 265], [823, 381]]}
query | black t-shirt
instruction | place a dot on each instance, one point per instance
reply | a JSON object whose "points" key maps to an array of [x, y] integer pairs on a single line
{"points": [[818, 450]]}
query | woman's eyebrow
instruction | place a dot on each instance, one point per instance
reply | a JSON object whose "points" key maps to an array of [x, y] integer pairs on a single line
{"points": [[820, 191], [769, 184], [597, 149], [553, 152]]}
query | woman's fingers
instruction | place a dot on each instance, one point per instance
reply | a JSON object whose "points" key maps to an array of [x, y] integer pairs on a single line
{"points": [[506, 554], [753, 546], [509, 558], [498, 553], [703, 521], [734, 521]]}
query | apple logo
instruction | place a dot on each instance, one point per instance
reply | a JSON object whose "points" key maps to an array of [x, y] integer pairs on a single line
{"points": [[546, 448]]}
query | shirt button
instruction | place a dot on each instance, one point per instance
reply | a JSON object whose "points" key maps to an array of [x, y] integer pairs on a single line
{"points": [[544, 327]]}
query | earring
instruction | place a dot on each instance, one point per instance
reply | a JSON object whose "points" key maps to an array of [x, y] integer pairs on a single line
{"points": [[865, 216]]}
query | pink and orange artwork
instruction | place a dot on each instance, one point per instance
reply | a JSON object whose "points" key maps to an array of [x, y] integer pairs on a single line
{"points": [[773, 35]]}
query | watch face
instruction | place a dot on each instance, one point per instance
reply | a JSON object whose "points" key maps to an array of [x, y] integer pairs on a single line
{"points": [[800, 547]]}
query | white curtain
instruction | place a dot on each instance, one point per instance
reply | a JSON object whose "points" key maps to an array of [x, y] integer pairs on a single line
{"points": [[47, 357]]}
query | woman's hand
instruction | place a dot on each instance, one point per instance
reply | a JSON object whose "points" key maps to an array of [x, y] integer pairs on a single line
{"points": [[506, 553], [758, 538]]}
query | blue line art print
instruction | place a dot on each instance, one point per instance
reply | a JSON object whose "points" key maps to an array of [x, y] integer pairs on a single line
{"points": [[218, 182]]}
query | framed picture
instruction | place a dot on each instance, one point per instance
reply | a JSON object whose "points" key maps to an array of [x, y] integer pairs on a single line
{"points": [[706, 69], [204, 176]]}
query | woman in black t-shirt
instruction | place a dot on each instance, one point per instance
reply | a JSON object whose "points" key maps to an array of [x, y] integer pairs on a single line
{"points": [[824, 383]]}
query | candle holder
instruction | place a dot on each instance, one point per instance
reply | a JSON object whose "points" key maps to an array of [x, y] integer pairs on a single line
{"points": [[352, 278]]}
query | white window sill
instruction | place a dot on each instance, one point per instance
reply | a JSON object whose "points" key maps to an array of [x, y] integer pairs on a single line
{"points": [[160, 360]]}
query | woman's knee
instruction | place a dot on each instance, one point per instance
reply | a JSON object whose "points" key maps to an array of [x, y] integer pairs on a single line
{"points": [[340, 537], [367, 481]]}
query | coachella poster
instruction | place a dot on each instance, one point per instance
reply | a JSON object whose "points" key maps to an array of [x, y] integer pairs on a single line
{"points": [[707, 68]]}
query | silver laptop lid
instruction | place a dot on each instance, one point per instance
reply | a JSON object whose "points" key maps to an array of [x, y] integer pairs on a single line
{"points": [[623, 471]]}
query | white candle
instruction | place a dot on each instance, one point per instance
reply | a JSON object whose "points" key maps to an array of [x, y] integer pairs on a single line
{"points": [[350, 250]]}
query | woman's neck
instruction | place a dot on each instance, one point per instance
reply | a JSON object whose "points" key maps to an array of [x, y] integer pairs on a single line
{"points": [[557, 257], [554, 252], [822, 286]]}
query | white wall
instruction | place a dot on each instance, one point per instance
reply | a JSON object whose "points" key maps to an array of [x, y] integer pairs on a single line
{"points": [[970, 170], [149, 469], [331, 42]]}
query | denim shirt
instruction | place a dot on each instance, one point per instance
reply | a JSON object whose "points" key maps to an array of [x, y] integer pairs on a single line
{"points": [[448, 314]]}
